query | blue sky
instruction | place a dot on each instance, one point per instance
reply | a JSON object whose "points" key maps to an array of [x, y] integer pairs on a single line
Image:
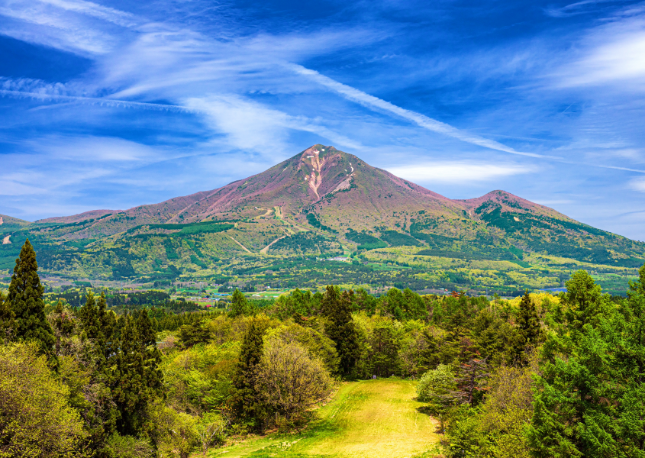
{"points": [[117, 104]]}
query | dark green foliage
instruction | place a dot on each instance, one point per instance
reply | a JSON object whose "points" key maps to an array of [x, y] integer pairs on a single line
{"points": [[529, 333], [245, 402], [239, 305], [26, 301], [7, 322], [194, 334], [403, 305], [305, 243], [364, 240], [337, 309], [313, 220], [573, 406], [135, 378], [297, 305], [395, 238]]}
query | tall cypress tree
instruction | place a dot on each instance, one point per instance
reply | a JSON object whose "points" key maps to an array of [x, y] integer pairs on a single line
{"points": [[245, 401], [26, 301], [528, 326], [136, 379], [337, 308]]}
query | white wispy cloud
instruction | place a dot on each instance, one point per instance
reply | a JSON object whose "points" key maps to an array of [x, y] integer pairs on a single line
{"points": [[637, 184], [458, 172], [252, 126], [610, 54], [112, 15], [417, 118]]}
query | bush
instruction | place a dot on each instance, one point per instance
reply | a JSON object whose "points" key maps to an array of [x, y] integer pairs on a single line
{"points": [[290, 380], [35, 417]]}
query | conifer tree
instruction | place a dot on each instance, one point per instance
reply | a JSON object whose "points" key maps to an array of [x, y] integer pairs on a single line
{"points": [[239, 305], [136, 380], [529, 331], [577, 391], [26, 301], [245, 402], [337, 308], [7, 322]]}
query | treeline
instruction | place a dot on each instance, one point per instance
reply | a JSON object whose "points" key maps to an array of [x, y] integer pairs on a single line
{"points": [[541, 376]]}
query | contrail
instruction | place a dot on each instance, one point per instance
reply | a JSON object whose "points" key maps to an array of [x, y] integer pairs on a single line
{"points": [[98, 101], [419, 119]]}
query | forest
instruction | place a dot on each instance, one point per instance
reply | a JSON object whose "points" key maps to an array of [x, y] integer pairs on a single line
{"points": [[540, 375]]}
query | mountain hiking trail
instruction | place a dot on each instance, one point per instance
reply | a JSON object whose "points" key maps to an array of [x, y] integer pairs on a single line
{"points": [[243, 247], [265, 250], [365, 419]]}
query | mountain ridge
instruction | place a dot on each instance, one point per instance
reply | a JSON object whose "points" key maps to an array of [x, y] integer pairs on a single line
{"points": [[319, 202]]}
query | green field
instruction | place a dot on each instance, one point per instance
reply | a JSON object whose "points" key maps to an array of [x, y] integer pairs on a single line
{"points": [[372, 418]]}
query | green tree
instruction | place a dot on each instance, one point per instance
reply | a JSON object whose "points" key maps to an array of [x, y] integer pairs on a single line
{"points": [[245, 402], [239, 305], [7, 317], [26, 301], [136, 379], [529, 332], [36, 419], [290, 380], [573, 410], [437, 387], [337, 308]]}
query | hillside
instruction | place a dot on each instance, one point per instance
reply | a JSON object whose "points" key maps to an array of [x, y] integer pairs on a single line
{"points": [[323, 203]]}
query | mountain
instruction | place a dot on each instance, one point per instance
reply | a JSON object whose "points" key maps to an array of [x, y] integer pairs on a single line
{"points": [[324, 203]]}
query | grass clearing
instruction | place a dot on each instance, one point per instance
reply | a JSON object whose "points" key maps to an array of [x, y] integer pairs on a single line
{"points": [[371, 418]]}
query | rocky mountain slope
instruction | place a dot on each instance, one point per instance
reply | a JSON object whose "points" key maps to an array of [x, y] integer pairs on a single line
{"points": [[320, 202]]}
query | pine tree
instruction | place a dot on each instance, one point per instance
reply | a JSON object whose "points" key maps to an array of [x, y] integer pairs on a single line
{"points": [[529, 331], [337, 308], [245, 402], [136, 380], [577, 391], [239, 305], [26, 301]]}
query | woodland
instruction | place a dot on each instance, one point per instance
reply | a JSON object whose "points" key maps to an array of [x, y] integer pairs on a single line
{"points": [[540, 375]]}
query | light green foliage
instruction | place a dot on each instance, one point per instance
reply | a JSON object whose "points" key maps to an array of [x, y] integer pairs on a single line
{"points": [[128, 447], [200, 378], [175, 433], [36, 419], [437, 388], [317, 343], [290, 380]]}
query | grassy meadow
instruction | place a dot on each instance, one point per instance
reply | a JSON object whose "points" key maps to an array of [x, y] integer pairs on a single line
{"points": [[369, 418]]}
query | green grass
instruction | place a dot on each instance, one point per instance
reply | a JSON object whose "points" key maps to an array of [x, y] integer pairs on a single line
{"points": [[373, 418]]}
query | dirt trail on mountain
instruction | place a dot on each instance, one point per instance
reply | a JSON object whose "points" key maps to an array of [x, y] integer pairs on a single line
{"points": [[243, 247], [265, 250], [6, 241]]}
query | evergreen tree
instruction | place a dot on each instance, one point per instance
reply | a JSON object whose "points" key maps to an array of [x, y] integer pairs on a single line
{"points": [[239, 305], [529, 331], [136, 380], [337, 308], [245, 402], [26, 301], [7, 322], [576, 394]]}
